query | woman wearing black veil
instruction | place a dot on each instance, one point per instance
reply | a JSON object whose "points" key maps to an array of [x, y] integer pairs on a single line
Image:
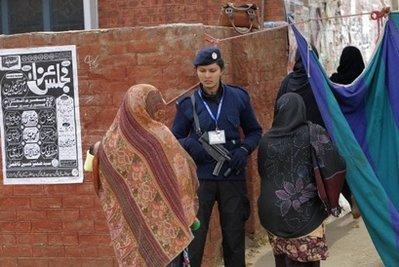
{"points": [[351, 65]]}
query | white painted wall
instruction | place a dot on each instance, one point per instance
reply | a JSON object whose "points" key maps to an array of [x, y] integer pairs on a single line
{"points": [[331, 36]]}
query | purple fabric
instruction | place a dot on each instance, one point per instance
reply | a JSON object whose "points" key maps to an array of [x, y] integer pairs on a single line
{"points": [[349, 99], [392, 75], [366, 132]]}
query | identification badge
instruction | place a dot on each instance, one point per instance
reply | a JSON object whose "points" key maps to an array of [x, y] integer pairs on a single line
{"points": [[217, 137]]}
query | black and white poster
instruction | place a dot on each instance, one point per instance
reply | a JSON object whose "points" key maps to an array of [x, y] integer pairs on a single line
{"points": [[40, 125]]}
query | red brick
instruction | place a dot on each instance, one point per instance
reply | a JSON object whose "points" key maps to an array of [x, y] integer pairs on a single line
{"points": [[63, 215], [87, 188], [16, 251], [117, 98], [106, 116], [95, 100], [10, 41], [36, 40], [64, 262], [97, 263], [60, 189], [105, 251], [109, 73], [46, 203], [155, 59], [140, 47], [88, 37], [8, 262], [94, 239], [48, 251], [80, 226], [146, 73], [78, 201], [89, 49], [32, 239], [8, 239], [126, 60], [46, 226], [94, 214], [6, 190], [14, 203], [32, 262], [63, 39], [31, 215], [63, 239], [115, 48], [119, 36], [99, 87], [8, 215], [28, 190], [89, 115], [81, 251], [15, 227], [101, 226]]}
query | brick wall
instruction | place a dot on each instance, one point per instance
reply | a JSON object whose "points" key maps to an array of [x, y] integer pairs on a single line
{"points": [[122, 13], [274, 10], [63, 225]]}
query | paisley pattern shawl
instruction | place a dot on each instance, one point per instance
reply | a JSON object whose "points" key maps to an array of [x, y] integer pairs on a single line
{"points": [[147, 184]]}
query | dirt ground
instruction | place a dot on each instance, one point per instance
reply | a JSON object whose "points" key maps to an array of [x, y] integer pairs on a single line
{"points": [[348, 241]]}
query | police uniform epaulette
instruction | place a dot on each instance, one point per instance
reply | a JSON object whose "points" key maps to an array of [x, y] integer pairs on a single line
{"points": [[238, 87]]}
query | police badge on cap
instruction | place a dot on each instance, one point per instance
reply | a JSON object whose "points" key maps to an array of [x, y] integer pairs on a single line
{"points": [[207, 56]]}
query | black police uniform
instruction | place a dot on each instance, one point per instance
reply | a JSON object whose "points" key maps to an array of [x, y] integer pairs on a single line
{"points": [[236, 112]]}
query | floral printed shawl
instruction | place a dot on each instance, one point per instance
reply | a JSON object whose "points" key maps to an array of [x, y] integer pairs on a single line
{"points": [[146, 183], [288, 205]]}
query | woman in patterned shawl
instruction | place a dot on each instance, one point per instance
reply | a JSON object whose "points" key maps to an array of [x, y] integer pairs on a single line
{"points": [[289, 207], [146, 184]]}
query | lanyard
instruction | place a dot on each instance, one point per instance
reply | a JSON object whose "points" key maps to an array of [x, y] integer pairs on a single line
{"points": [[215, 119]]}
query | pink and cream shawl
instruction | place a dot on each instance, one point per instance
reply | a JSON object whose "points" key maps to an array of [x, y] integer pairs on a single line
{"points": [[146, 183]]}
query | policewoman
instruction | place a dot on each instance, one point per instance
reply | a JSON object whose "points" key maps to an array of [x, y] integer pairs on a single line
{"points": [[221, 110]]}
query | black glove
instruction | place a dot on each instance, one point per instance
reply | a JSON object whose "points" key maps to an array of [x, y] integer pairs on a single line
{"points": [[239, 157], [195, 149]]}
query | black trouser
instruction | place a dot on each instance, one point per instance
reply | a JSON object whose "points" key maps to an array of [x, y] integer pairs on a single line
{"points": [[233, 211], [284, 261]]}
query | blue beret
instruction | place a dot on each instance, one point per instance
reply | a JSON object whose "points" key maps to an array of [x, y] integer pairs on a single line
{"points": [[207, 56]]}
